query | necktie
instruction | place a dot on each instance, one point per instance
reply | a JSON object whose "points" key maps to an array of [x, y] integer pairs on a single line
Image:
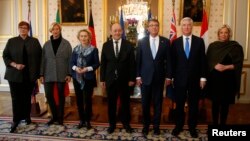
{"points": [[153, 48], [187, 50], [116, 49]]}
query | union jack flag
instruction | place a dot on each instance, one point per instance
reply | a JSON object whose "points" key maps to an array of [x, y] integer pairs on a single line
{"points": [[173, 32]]}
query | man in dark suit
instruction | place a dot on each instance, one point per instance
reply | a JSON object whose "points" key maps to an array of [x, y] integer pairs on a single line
{"points": [[153, 69], [189, 64], [117, 74]]}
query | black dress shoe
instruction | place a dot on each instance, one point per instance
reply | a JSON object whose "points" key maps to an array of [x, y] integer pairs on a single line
{"points": [[193, 133], [176, 131], [28, 121], [111, 130], [51, 121], [145, 131], [13, 127], [81, 124], [60, 122], [88, 125], [128, 128], [157, 131]]}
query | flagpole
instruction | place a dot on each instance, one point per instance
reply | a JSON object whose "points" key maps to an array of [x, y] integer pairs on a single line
{"points": [[173, 4]]}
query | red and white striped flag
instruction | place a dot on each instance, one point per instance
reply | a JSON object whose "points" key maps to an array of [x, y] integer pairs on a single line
{"points": [[173, 32], [204, 28]]}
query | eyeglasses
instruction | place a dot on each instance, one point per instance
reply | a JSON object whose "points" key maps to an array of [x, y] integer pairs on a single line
{"points": [[153, 25], [23, 27]]}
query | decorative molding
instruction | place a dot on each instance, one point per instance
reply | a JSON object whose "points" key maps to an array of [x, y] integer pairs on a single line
{"points": [[243, 83], [246, 65], [11, 18]]}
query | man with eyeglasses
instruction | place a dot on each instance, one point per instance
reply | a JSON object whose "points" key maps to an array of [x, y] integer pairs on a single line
{"points": [[153, 70], [22, 57]]}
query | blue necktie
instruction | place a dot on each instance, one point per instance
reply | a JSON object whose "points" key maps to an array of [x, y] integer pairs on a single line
{"points": [[187, 47], [153, 48]]}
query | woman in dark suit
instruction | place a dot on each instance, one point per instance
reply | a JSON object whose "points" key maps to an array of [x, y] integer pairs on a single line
{"points": [[22, 57], [84, 62], [225, 59], [55, 69]]}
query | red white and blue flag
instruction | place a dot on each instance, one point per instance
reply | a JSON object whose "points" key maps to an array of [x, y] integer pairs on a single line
{"points": [[173, 32]]}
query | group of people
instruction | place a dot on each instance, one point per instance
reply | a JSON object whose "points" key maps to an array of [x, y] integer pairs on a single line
{"points": [[184, 64]]}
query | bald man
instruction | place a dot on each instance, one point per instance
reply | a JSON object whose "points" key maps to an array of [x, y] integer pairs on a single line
{"points": [[117, 74]]}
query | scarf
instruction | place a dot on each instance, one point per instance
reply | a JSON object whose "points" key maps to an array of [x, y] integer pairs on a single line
{"points": [[82, 53], [217, 51]]}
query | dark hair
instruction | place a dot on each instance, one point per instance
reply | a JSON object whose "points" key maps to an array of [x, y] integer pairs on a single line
{"points": [[24, 23]]}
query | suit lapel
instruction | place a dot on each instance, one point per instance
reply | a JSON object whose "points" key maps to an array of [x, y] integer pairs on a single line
{"points": [[160, 46], [192, 45], [112, 48], [182, 47], [121, 49], [148, 48]]}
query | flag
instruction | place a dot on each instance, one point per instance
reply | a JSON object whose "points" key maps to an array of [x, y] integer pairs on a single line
{"points": [[66, 87], [170, 89], [149, 17], [173, 32], [58, 20], [92, 29], [29, 20], [149, 14], [204, 28], [36, 88], [122, 25]]}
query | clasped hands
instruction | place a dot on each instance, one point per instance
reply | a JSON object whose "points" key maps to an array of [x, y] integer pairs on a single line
{"points": [[81, 70]]}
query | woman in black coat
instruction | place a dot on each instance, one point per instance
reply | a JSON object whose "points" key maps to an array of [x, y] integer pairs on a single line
{"points": [[22, 57], [225, 59]]}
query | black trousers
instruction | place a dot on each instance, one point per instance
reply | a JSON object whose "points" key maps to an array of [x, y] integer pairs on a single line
{"points": [[56, 110], [21, 99], [113, 91], [220, 111], [84, 99], [152, 93], [191, 95]]}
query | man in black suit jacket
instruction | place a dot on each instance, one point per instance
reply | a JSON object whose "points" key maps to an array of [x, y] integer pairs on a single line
{"points": [[153, 69], [189, 64], [117, 74]]}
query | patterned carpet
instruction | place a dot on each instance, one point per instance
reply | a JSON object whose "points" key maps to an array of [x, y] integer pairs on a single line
{"points": [[39, 131]]}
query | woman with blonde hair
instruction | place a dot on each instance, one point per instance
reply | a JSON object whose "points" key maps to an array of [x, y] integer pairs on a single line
{"points": [[55, 68], [84, 62], [225, 60]]}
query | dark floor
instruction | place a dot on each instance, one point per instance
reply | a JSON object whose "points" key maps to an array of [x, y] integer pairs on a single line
{"points": [[238, 114]]}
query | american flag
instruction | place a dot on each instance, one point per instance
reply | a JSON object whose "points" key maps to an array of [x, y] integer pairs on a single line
{"points": [[173, 32]]}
